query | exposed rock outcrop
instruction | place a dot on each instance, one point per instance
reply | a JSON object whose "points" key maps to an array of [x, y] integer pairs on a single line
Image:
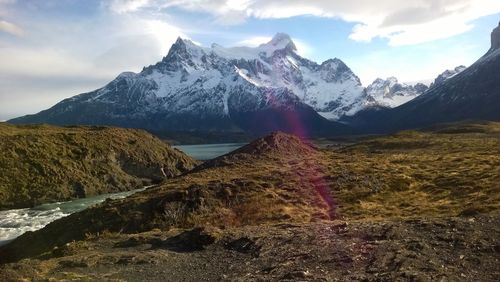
{"points": [[471, 94], [391, 93], [447, 74], [495, 38]]}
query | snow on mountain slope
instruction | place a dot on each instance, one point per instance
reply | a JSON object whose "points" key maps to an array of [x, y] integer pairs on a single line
{"points": [[447, 74], [390, 93], [269, 87], [472, 94], [200, 80]]}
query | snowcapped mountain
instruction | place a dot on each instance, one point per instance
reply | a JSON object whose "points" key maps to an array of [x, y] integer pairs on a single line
{"points": [[447, 74], [266, 88], [473, 93], [330, 88], [218, 88], [390, 93]]}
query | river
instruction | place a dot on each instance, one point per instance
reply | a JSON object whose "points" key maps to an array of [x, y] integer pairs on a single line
{"points": [[14, 223]]}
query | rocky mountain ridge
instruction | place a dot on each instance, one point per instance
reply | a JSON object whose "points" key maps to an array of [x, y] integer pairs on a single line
{"points": [[238, 89], [391, 93], [217, 88], [447, 74], [462, 94]]}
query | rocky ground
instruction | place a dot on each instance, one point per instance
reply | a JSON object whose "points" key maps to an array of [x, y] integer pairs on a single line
{"points": [[414, 206], [439, 249]]}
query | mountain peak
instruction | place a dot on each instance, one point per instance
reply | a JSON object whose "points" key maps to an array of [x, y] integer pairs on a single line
{"points": [[248, 88], [185, 41], [281, 41], [391, 93], [179, 40], [392, 79], [179, 45], [183, 49], [336, 70], [447, 74], [281, 36], [380, 82], [332, 61]]}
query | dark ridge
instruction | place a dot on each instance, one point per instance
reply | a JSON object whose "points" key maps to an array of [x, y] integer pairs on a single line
{"points": [[473, 94]]}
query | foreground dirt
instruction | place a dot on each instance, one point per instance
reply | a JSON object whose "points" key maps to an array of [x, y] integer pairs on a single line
{"points": [[446, 249]]}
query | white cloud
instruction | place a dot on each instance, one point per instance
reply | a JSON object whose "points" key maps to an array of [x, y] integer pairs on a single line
{"points": [[58, 59], [48, 63], [254, 41], [11, 28], [20, 95], [125, 6], [303, 48], [124, 43], [165, 33], [4, 6], [400, 22]]}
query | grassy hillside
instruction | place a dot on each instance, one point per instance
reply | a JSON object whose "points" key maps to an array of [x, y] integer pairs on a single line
{"points": [[391, 205], [42, 163], [445, 170]]}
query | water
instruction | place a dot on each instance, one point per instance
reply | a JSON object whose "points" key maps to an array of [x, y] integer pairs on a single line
{"points": [[208, 151], [13, 223]]}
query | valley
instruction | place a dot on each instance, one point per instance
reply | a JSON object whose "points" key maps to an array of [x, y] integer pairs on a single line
{"points": [[388, 204], [361, 145]]}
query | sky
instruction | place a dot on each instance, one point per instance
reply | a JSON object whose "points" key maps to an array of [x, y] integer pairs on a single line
{"points": [[54, 49]]}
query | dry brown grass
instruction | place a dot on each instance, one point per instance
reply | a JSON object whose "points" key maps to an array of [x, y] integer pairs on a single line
{"points": [[42, 163], [410, 174], [450, 170]]}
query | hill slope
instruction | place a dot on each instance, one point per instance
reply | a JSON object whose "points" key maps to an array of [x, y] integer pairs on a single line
{"points": [[43, 163], [281, 180], [239, 192]]}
